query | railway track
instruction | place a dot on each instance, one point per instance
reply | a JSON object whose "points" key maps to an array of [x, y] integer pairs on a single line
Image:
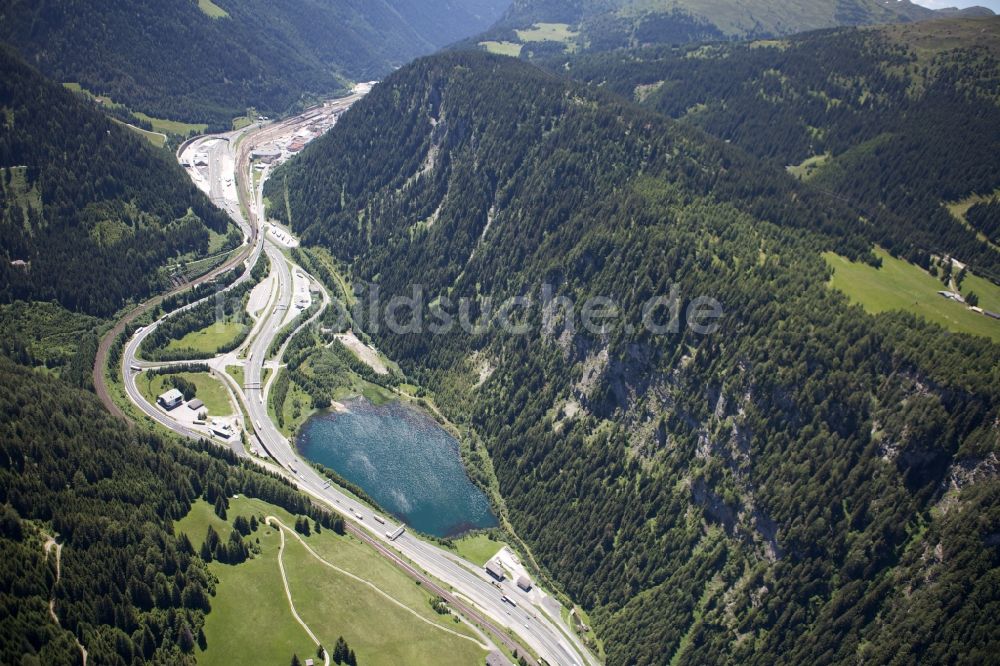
{"points": [[99, 376]]}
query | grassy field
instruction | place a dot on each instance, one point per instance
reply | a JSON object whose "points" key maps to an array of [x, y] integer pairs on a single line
{"points": [[155, 138], [503, 48], [293, 416], [172, 126], [899, 285], [210, 390], [212, 9], [809, 166], [251, 622], [196, 523], [548, 32], [159, 124], [29, 198], [209, 338], [335, 604], [297, 407], [959, 209], [236, 372], [988, 293], [929, 39], [373, 393], [477, 548]]}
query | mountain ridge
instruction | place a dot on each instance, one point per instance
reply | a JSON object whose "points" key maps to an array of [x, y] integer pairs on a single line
{"points": [[847, 102], [740, 496], [80, 193], [172, 60], [601, 25]]}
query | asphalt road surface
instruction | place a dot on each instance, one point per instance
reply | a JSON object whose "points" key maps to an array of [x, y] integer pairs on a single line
{"points": [[470, 590]]}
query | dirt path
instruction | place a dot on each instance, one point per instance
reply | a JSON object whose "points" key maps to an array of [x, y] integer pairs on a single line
{"points": [[386, 595], [288, 592], [363, 352], [48, 545]]}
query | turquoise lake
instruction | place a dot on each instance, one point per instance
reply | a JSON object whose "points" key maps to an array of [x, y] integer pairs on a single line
{"points": [[404, 460]]}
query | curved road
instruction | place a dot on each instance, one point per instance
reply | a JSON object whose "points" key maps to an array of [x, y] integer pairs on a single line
{"points": [[472, 592]]}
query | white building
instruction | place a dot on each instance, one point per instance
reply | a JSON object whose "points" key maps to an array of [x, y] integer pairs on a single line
{"points": [[170, 399]]}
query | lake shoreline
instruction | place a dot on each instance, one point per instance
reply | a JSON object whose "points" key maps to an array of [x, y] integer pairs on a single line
{"points": [[403, 459]]}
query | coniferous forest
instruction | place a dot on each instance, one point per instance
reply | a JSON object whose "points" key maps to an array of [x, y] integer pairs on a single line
{"points": [[90, 211], [803, 481], [896, 129], [790, 486], [173, 60], [130, 590]]}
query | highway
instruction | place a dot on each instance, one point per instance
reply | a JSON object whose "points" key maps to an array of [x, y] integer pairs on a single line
{"points": [[472, 592]]}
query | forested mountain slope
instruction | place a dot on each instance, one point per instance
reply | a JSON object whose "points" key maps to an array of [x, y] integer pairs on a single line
{"points": [[174, 60], [129, 589], [600, 25], [90, 211], [796, 486], [897, 120]]}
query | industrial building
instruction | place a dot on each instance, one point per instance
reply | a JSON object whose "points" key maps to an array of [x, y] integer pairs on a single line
{"points": [[268, 154], [524, 583], [221, 429], [170, 399], [494, 569]]}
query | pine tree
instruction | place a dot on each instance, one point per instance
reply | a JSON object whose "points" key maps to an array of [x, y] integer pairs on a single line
{"points": [[220, 507], [340, 651], [185, 639], [241, 525], [148, 645], [302, 526]]}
